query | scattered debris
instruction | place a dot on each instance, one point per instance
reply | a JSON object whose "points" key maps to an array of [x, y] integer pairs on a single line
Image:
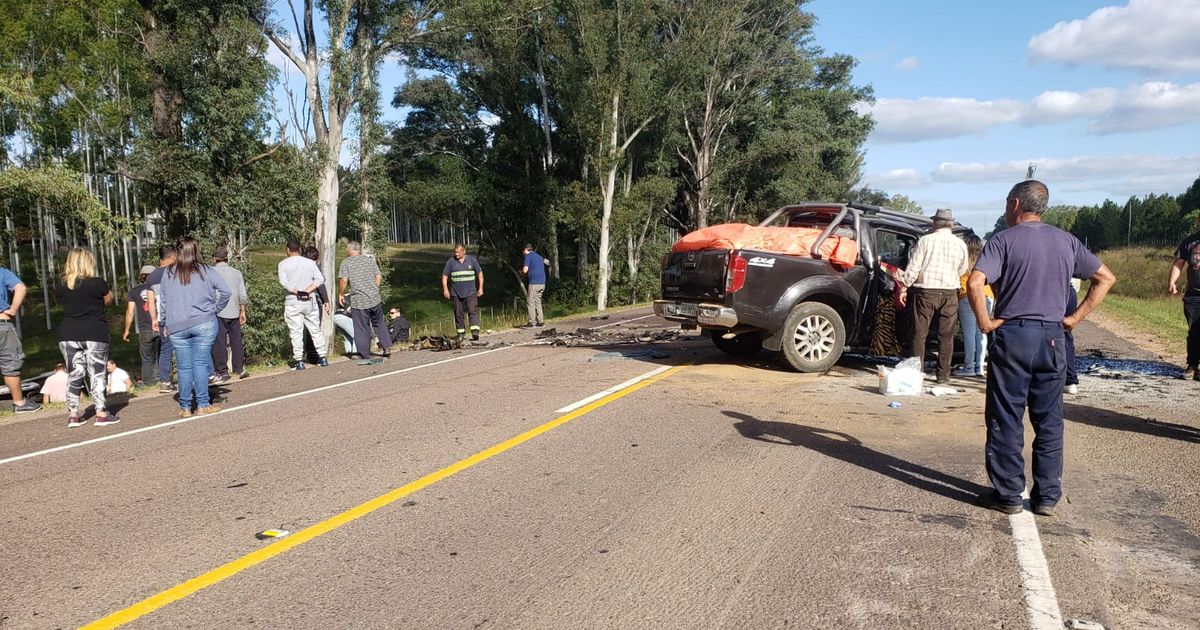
{"points": [[599, 318], [941, 390], [617, 355], [894, 405], [549, 332], [1083, 624], [268, 534], [369, 362]]}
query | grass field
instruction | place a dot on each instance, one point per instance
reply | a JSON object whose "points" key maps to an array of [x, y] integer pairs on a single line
{"points": [[1140, 299], [413, 284]]}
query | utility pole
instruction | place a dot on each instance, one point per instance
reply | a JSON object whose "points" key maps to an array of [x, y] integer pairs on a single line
{"points": [[1031, 170]]}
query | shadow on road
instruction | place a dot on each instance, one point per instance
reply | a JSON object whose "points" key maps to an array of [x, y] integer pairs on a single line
{"points": [[1106, 419], [849, 449]]}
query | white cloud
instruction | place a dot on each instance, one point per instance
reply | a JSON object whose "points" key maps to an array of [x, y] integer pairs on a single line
{"points": [[908, 64], [902, 178], [1147, 35], [1151, 105], [1082, 172], [931, 118]]}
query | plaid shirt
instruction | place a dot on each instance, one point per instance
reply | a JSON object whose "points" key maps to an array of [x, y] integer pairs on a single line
{"points": [[937, 262]]}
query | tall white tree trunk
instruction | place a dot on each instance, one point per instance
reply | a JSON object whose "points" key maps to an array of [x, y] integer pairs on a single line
{"points": [[608, 190]]}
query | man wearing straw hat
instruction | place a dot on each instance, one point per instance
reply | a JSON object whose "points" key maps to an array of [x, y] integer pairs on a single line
{"points": [[937, 263]]}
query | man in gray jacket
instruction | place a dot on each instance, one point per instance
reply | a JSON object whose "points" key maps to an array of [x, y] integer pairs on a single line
{"points": [[229, 321]]}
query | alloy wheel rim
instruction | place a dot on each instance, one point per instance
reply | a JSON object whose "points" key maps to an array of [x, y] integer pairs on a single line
{"points": [[814, 338]]}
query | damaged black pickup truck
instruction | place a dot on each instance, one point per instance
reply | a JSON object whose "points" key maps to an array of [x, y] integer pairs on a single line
{"points": [[803, 305]]}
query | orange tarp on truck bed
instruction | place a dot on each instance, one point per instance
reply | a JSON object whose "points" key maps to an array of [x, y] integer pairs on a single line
{"points": [[796, 241]]}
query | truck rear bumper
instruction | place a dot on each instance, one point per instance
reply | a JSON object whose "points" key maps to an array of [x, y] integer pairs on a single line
{"points": [[704, 314]]}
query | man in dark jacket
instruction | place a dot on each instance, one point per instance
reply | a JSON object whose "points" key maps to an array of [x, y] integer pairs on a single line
{"points": [[398, 327]]}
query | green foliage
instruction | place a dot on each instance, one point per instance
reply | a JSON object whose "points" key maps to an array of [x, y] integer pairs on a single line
{"points": [[901, 203], [265, 334], [62, 190]]}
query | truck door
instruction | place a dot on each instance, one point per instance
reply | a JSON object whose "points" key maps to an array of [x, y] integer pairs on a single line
{"points": [[891, 247]]}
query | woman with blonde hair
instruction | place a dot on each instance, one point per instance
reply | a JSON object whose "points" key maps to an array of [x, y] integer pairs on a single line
{"points": [[83, 335]]}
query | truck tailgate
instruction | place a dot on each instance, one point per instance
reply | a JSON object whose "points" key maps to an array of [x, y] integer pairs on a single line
{"points": [[695, 275]]}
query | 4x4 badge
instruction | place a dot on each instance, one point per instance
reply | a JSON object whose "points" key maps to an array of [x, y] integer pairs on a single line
{"points": [[761, 261]]}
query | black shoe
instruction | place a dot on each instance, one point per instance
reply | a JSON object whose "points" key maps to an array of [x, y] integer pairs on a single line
{"points": [[222, 378], [526, 325], [1196, 375], [475, 336], [990, 501], [539, 324], [296, 365], [26, 406], [323, 362], [244, 374], [1043, 509]]}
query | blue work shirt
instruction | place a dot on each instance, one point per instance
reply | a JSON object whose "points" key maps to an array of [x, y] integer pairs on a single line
{"points": [[537, 268], [1030, 266], [10, 281], [462, 276]]}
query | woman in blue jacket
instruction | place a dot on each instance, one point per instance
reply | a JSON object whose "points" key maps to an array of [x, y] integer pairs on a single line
{"points": [[193, 293]]}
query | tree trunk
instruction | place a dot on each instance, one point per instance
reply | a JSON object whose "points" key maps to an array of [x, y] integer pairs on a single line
{"points": [[581, 255], [608, 189], [325, 234]]}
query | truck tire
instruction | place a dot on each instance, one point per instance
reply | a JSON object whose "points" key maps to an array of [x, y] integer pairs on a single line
{"points": [[743, 345], [814, 337]]}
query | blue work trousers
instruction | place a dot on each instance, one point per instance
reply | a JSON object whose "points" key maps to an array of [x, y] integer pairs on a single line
{"points": [[1027, 367]]}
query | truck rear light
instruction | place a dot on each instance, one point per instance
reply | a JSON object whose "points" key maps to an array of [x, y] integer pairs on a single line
{"points": [[735, 278]]}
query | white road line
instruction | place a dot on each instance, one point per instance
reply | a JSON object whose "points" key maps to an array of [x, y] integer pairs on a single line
{"points": [[612, 390], [1035, 574], [623, 321], [17, 458]]}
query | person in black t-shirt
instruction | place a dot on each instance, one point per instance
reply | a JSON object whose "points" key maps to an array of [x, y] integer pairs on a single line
{"points": [[148, 341], [1187, 257], [83, 335]]}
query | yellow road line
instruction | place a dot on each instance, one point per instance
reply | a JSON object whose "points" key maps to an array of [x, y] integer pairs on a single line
{"points": [[175, 593]]}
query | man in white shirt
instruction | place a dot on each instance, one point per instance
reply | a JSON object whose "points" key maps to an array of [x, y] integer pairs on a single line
{"points": [[937, 263], [300, 278], [118, 379]]}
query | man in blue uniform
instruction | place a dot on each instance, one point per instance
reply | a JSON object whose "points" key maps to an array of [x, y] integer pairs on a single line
{"points": [[459, 279], [1029, 266], [534, 269]]}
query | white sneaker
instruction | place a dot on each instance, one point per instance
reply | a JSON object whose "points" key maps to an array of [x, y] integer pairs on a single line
{"points": [[1072, 389]]}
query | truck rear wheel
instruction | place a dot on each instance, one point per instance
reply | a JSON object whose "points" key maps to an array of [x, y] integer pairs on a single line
{"points": [[742, 345], [814, 337]]}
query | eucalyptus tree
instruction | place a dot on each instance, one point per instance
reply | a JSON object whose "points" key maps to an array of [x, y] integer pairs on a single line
{"points": [[620, 81], [339, 63]]}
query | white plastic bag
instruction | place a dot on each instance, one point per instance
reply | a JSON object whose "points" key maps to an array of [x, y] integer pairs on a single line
{"points": [[906, 379]]}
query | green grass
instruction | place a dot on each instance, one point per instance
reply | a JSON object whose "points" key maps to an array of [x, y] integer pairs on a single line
{"points": [[1139, 299], [1160, 317]]}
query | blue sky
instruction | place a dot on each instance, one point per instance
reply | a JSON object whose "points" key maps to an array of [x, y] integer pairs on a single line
{"points": [[1103, 96]]}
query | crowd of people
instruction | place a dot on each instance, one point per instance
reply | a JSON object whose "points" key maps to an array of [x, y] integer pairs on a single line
{"points": [[188, 315]]}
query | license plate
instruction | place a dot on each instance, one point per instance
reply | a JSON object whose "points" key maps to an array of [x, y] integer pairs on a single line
{"points": [[686, 310]]}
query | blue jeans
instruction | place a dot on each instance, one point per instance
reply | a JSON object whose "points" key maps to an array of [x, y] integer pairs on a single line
{"points": [[193, 354], [974, 341]]}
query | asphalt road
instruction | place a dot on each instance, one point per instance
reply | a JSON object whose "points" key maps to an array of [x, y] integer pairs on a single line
{"points": [[721, 494]]}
